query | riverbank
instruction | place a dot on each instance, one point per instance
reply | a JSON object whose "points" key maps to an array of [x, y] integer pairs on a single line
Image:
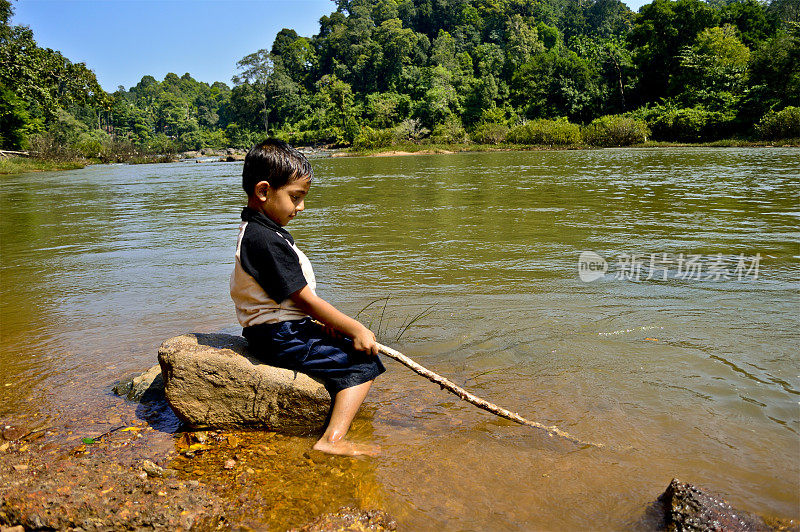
{"points": [[139, 475], [135, 475], [19, 165], [433, 149]]}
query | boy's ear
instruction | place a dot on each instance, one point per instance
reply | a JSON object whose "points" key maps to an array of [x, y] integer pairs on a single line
{"points": [[261, 190]]}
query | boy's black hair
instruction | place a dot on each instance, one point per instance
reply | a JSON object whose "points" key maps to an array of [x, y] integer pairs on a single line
{"points": [[275, 162]]}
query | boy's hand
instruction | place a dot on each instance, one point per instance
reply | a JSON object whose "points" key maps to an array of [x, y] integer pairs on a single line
{"points": [[333, 333], [334, 320], [364, 340]]}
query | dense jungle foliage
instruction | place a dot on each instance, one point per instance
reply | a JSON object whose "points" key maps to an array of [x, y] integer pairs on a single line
{"points": [[382, 72]]}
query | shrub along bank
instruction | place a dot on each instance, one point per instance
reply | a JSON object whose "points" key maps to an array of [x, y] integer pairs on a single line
{"points": [[660, 125]]}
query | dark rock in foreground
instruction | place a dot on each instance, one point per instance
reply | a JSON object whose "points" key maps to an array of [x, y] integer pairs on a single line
{"points": [[684, 507], [210, 380]]}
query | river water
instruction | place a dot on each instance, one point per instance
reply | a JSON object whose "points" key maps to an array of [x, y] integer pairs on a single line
{"points": [[682, 357]]}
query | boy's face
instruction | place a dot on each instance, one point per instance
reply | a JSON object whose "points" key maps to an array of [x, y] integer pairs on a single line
{"points": [[282, 204]]}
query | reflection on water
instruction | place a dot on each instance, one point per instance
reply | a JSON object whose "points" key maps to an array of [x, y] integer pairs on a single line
{"points": [[690, 378]]}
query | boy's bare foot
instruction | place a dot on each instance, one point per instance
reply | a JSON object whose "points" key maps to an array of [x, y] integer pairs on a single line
{"points": [[346, 448]]}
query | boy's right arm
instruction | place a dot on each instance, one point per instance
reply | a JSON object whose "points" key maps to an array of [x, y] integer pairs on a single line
{"points": [[319, 309]]}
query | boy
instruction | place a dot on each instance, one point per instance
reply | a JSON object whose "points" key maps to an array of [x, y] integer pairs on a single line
{"points": [[273, 288]]}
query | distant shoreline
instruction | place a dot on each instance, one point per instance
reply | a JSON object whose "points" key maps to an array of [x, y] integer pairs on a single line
{"points": [[20, 165], [443, 149]]}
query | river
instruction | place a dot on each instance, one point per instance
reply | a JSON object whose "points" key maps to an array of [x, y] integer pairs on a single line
{"points": [[675, 344]]}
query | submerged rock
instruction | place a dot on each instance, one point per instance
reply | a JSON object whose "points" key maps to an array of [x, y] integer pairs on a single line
{"points": [[684, 507], [347, 518], [210, 380], [147, 387]]}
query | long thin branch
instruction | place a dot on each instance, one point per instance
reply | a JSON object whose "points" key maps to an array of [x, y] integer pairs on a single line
{"points": [[475, 400]]}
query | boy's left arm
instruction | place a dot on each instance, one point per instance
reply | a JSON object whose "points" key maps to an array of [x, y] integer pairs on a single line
{"points": [[330, 316]]}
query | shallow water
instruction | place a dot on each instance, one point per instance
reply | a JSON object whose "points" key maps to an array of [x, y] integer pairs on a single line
{"points": [[694, 376]]}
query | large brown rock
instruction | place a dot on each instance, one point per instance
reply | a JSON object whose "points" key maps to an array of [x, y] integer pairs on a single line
{"points": [[210, 380]]}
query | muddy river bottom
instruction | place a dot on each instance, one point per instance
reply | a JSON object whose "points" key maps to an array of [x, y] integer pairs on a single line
{"points": [[134, 474]]}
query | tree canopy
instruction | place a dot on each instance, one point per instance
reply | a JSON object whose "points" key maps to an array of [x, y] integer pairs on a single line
{"points": [[417, 67]]}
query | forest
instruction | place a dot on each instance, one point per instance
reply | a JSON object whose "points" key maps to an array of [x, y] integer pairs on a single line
{"points": [[386, 72]]}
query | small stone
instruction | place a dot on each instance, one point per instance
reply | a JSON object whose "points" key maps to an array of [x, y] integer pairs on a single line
{"points": [[193, 484], [347, 518], [147, 387], [142, 475], [229, 464], [21, 467], [249, 471], [13, 433], [152, 469]]}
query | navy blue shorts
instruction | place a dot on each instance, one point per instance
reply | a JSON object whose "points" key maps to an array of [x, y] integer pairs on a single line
{"points": [[302, 345]]}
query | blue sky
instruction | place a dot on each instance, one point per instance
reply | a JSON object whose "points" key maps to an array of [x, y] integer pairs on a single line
{"points": [[123, 40]]}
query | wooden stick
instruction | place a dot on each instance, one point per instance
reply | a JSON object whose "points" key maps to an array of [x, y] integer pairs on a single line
{"points": [[475, 400]]}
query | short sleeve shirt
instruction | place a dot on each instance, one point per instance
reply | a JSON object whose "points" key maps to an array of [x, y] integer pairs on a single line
{"points": [[269, 268]]}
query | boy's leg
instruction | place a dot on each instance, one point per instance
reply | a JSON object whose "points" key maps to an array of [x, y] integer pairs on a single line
{"points": [[345, 405]]}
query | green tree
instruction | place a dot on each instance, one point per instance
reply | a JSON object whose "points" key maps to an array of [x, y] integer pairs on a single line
{"points": [[297, 55], [522, 42], [336, 98], [386, 109], [285, 93], [714, 67], [256, 69], [245, 107], [609, 19], [612, 62], [661, 30], [13, 121], [397, 47], [752, 20], [775, 73], [787, 11], [555, 83]]}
